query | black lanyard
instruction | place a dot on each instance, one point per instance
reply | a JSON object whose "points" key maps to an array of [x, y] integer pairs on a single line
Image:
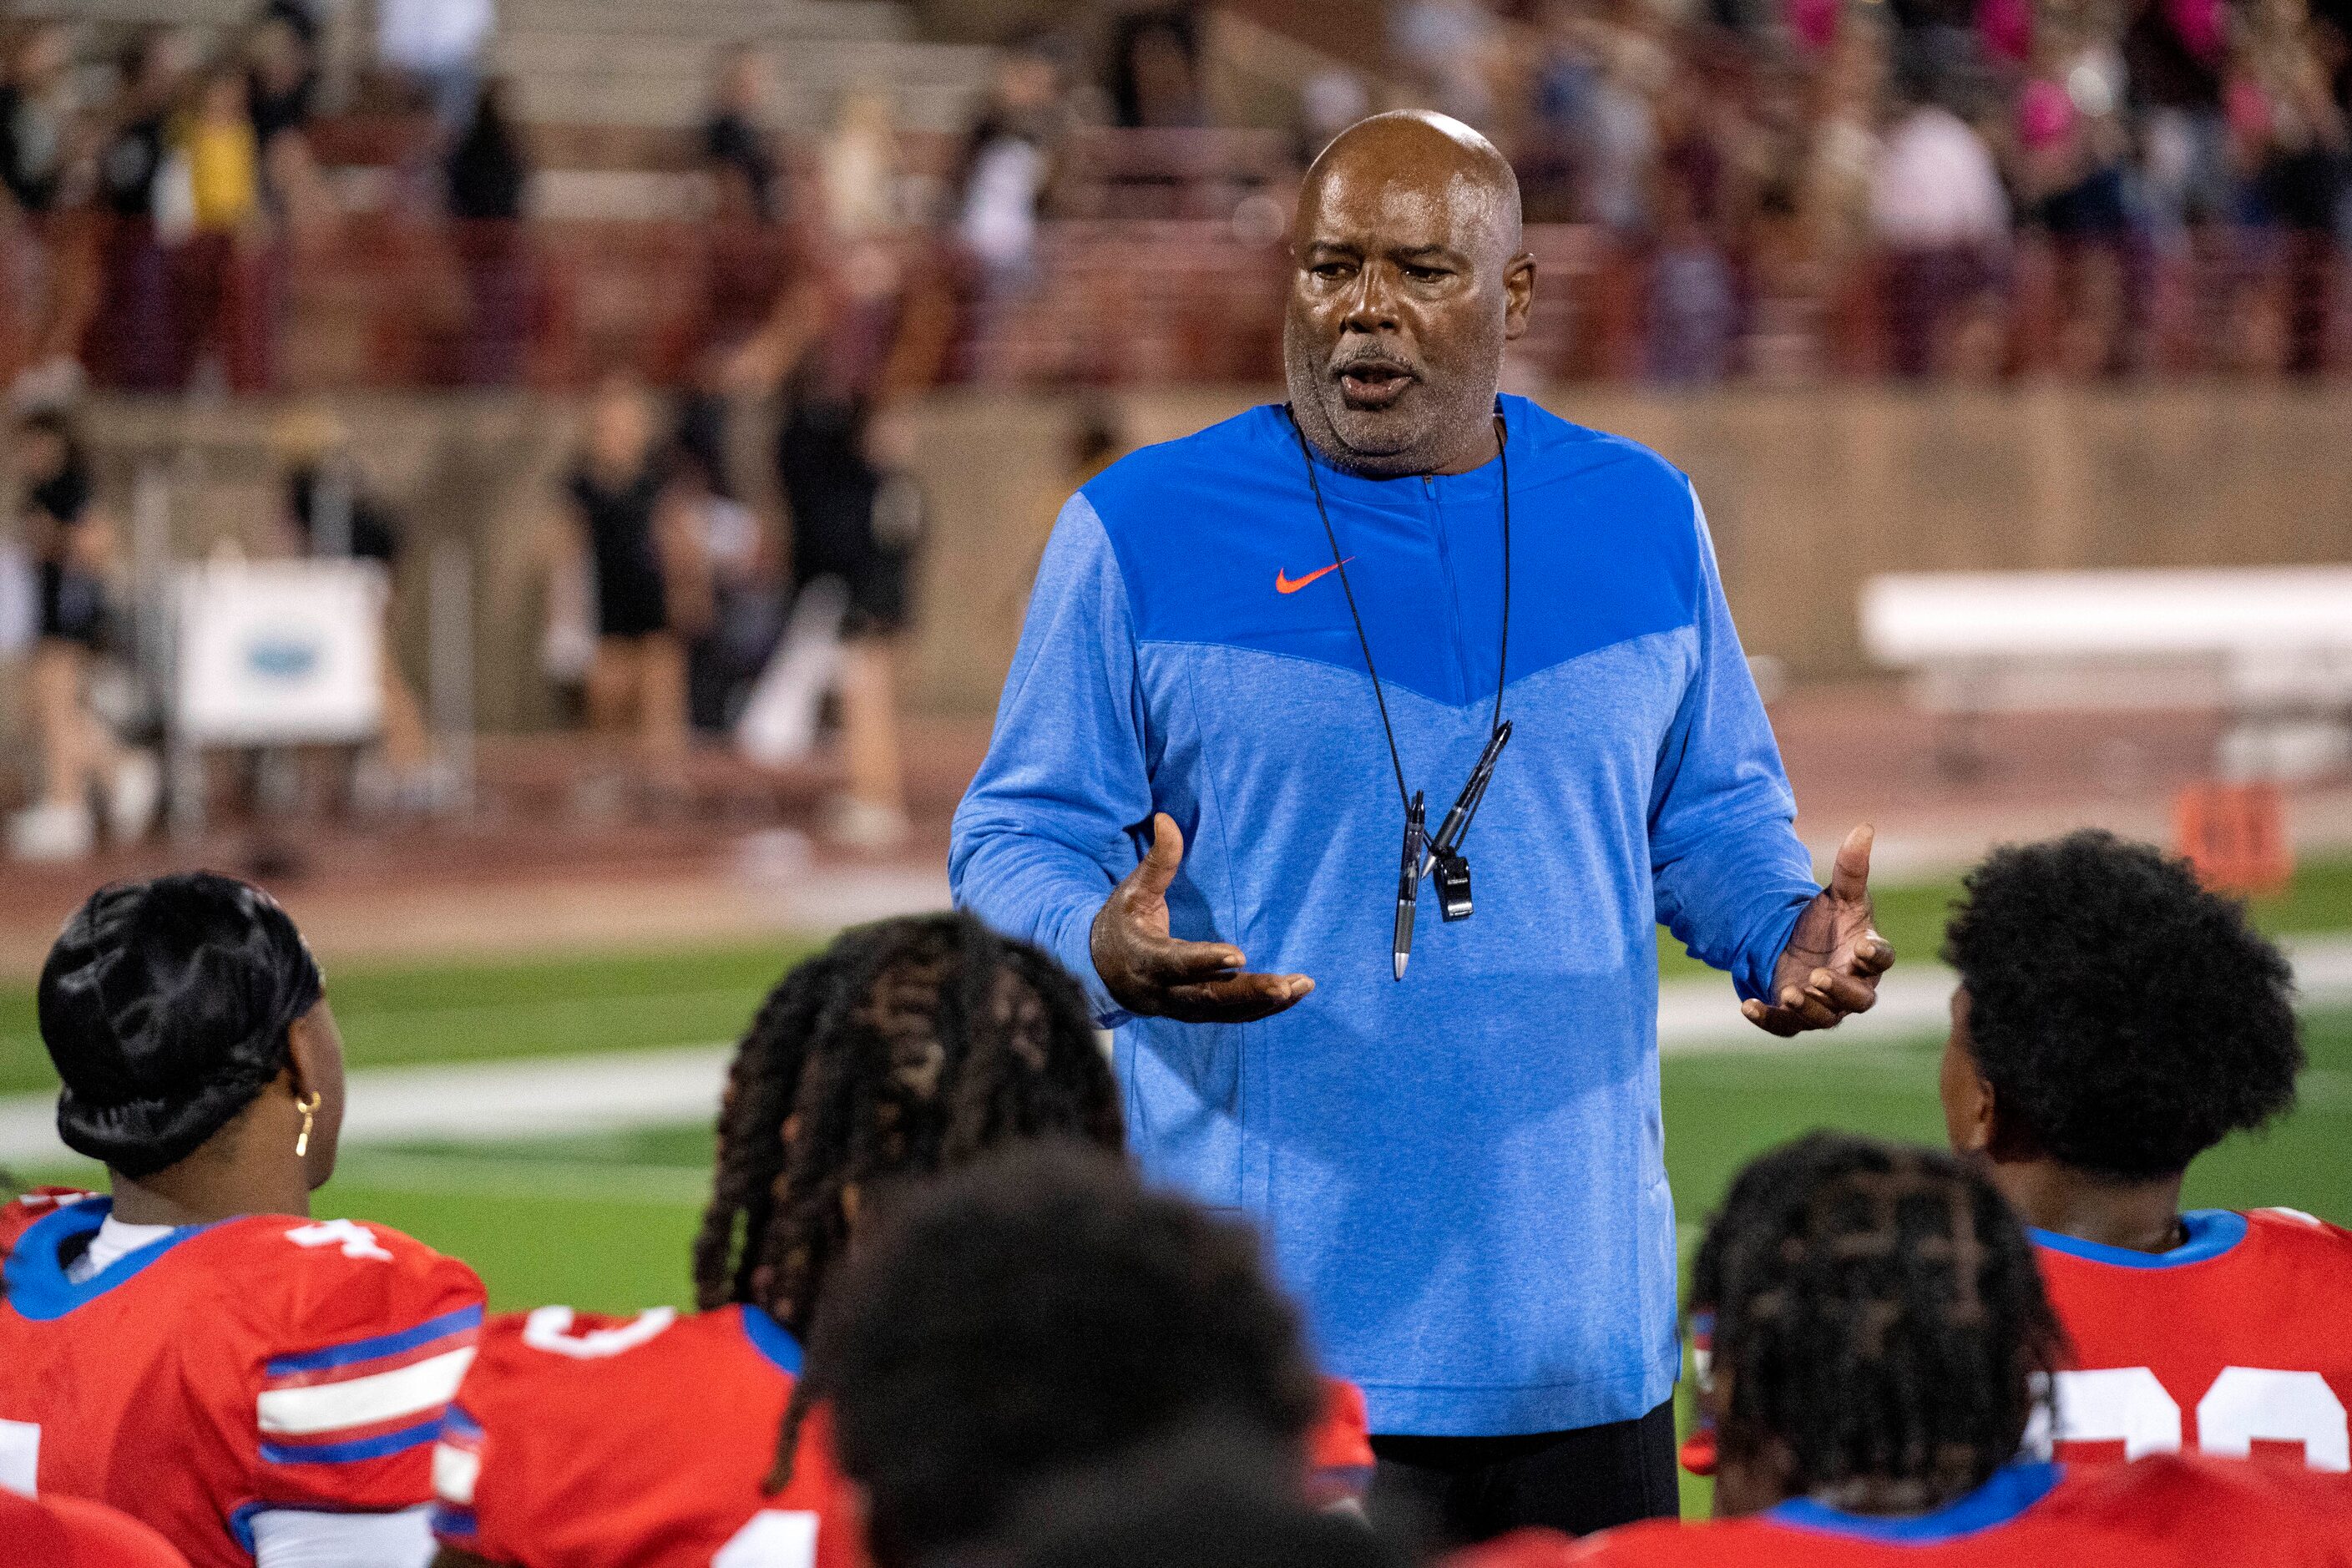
{"points": [[1442, 854]]}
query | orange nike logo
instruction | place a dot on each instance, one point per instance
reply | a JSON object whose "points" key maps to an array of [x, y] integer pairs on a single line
{"points": [[1283, 584]]}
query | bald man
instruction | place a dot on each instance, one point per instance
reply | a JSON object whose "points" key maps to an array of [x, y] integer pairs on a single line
{"points": [[1448, 1127]]}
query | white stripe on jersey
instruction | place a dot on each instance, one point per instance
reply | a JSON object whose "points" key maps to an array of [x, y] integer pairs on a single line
{"points": [[410, 1390], [454, 1472]]}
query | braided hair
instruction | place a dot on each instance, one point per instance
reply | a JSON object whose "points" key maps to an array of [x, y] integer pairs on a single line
{"points": [[1878, 1320], [908, 1046]]}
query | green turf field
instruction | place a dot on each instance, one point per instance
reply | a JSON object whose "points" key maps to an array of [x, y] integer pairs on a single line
{"points": [[604, 1221]]}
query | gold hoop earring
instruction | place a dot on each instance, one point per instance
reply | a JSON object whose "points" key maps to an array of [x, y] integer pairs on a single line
{"points": [[310, 1108]]}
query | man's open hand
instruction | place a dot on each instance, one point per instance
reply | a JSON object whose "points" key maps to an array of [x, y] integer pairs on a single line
{"points": [[1151, 973], [1834, 957]]}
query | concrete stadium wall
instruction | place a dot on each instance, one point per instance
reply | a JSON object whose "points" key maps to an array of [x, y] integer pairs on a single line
{"points": [[1809, 492]]}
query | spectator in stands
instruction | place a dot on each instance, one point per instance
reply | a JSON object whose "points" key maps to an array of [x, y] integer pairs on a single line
{"points": [[37, 118], [45, 263], [281, 78], [2070, 174], [1008, 163], [138, 332], [437, 44], [636, 685], [281, 89], [736, 149], [2295, 142], [1939, 208], [2175, 55], [1155, 77], [1451, 46], [486, 174], [72, 544], [218, 269], [1036, 1311]]}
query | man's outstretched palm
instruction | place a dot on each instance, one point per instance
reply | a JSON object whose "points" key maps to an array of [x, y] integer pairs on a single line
{"points": [[1154, 974], [1835, 955]]}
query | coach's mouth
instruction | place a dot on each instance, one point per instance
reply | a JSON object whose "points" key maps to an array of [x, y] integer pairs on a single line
{"points": [[1369, 385]]}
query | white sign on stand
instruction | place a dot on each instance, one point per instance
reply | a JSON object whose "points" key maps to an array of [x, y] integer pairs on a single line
{"points": [[274, 653]]}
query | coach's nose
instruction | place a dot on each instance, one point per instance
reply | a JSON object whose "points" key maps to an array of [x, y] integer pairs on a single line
{"points": [[1372, 304]]}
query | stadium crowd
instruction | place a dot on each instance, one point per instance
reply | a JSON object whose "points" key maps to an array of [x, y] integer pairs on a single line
{"points": [[1957, 188], [940, 1321]]}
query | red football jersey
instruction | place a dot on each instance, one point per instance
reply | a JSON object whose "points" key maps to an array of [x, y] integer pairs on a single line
{"points": [[2170, 1513], [72, 1532], [563, 1448], [262, 1363], [585, 1441], [2234, 1343]]}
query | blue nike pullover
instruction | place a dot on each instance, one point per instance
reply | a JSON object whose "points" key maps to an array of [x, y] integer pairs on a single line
{"points": [[1461, 1176]]}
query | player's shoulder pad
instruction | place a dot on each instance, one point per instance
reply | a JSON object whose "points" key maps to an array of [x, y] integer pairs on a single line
{"points": [[554, 1368], [26, 1209], [364, 1334], [2299, 1226], [545, 1375]]}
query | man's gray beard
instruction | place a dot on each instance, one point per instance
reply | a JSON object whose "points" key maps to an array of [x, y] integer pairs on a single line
{"points": [[1315, 404]]}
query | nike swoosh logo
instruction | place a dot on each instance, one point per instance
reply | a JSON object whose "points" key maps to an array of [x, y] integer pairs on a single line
{"points": [[1283, 584]]}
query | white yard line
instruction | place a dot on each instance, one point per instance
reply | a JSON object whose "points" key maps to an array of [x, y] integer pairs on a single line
{"points": [[540, 1097]]}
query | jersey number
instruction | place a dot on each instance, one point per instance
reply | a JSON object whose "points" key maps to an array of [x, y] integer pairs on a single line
{"points": [[355, 1238], [2246, 1404], [774, 1538]]}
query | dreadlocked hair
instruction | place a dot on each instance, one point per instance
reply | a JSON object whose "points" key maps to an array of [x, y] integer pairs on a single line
{"points": [[1878, 1319], [908, 1046]]}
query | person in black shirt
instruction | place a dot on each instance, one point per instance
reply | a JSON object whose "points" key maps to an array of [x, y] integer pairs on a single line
{"points": [[73, 546], [734, 145], [137, 337], [615, 491], [487, 174]]}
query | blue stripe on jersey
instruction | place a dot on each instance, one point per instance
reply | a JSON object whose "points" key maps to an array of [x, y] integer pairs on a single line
{"points": [[772, 1340], [425, 1431], [36, 1285], [241, 1525], [2211, 1232], [432, 1329], [2013, 1489], [457, 1521], [459, 1423]]}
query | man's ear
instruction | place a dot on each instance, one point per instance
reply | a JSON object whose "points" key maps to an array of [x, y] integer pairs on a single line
{"points": [[1519, 294]]}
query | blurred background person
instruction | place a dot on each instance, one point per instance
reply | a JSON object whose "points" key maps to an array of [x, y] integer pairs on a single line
{"points": [[868, 327], [437, 45], [137, 334], [46, 241], [737, 146], [487, 174], [636, 684], [331, 514], [72, 545], [1939, 208], [218, 267]]}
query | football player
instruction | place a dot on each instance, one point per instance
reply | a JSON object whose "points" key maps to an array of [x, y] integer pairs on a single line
{"points": [[2114, 1020], [1881, 1346], [194, 1350], [906, 1047], [1039, 1313]]}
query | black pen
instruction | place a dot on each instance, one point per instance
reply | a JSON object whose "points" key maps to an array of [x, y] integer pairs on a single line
{"points": [[1456, 825], [1409, 883]]}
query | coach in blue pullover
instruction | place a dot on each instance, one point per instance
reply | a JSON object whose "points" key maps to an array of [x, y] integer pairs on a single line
{"points": [[1461, 1172]]}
